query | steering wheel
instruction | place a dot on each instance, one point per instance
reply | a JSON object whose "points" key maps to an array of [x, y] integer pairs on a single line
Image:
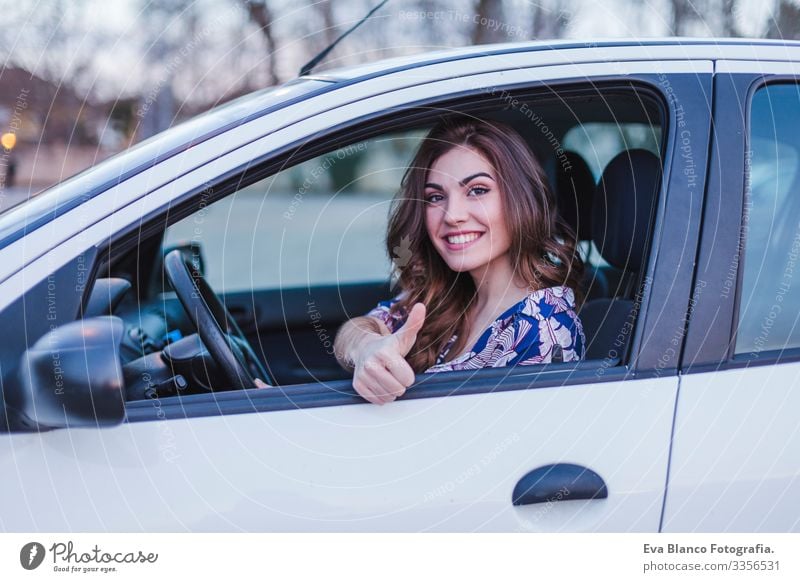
{"points": [[227, 345]]}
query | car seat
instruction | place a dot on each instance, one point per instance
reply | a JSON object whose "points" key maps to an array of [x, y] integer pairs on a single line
{"points": [[622, 213], [574, 188]]}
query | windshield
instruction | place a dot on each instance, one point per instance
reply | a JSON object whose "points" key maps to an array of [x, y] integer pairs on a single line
{"points": [[40, 209]]}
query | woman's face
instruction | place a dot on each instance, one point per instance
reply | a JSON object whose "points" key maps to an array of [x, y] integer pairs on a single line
{"points": [[464, 211]]}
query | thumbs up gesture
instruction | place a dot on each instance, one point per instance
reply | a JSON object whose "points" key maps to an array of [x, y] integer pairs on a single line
{"points": [[381, 371]]}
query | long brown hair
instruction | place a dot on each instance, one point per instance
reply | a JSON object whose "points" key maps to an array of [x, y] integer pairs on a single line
{"points": [[542, 249]]}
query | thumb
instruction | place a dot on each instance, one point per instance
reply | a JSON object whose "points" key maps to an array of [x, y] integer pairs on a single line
{"points": [[407, 334]]}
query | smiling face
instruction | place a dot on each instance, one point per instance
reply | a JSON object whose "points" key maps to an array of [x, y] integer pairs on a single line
{"points": [[464, 212]]}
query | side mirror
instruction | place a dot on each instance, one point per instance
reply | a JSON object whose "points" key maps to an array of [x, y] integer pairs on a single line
{"points": [[72, 376]]}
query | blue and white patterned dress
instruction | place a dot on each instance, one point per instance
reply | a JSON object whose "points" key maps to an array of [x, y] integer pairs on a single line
{"points": [[528, 332]]}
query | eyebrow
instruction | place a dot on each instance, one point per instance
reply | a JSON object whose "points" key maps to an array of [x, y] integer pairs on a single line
{"points": [[462, 183], [469, 179]]}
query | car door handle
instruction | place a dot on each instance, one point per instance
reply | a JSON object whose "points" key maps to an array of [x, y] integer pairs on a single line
{"points": [[559, 482]]}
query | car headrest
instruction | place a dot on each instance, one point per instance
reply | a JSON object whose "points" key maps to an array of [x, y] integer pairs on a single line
{"points": [[623, 206], [574, 185]]}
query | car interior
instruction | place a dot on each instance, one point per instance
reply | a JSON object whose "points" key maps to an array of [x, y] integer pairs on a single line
{"points": [[601, 147]]}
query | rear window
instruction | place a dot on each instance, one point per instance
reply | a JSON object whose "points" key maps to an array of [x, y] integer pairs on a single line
{"points": [[769, 300]]}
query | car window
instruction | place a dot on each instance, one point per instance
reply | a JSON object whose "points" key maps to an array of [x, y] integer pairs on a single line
{"points": [[769, 301], [303, 250], [598, 143], [319, 222]]}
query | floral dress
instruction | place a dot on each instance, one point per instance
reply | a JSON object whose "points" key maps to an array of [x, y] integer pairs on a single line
{"points": [[541, 328]]}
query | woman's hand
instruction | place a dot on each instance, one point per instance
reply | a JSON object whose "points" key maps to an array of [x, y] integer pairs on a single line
{"points": [[381, 372]]}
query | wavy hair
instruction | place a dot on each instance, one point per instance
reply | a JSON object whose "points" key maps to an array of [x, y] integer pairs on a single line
{"points": [[542, 251]]}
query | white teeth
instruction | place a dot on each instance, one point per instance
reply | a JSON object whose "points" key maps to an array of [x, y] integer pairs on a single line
{"points": [[460, 239]]}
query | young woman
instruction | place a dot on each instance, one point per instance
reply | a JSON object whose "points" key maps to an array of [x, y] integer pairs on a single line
{"points": [[487, 271]]}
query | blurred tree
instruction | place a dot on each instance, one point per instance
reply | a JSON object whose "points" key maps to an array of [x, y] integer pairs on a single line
{"points": [[785, 22], [167, 28], [53, 39], [704, 17], [202, 52], [489, 18], [122, 117], [550, 20], [261, 15], [729, 26], [329, 29], [415, 34], [682, 14], [377, 38], [56, 43], [321, 27]]}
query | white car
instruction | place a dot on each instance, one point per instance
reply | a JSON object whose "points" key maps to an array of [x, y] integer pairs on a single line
{"points": [[128, 383]]}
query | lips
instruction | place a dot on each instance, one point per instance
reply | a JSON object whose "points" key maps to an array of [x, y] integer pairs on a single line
{"points": [[461, 240]]}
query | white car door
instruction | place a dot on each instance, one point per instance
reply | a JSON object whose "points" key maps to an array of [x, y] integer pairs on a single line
{"points": [[736, 456], [448, 457]]}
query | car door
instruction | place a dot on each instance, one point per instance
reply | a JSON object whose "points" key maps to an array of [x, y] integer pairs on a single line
{"points": [[585, 446], [735, 457]]}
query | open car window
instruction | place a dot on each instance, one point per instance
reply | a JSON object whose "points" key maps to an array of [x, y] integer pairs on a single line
{"points": [[321, 222], [296, 254]]}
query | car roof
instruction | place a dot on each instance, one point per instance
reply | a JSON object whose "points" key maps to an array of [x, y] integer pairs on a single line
{"points": [[716, 45]]}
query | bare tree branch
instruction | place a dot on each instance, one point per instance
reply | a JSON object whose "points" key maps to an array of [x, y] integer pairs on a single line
{"points": [[549, 21], [787, 23], [260, 13], [682, 15], [729, 26], [488, 12]]}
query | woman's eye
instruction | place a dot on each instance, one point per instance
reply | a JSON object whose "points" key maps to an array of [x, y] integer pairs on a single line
{"points": [[478, 190], [434, 198]]}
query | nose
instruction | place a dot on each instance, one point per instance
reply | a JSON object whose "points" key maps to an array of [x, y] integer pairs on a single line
{"points": [[456, 211]]}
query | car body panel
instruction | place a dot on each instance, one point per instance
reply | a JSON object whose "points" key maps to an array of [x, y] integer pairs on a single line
{"points": [[735, 453], [434, 464], [736, 443], [760, 67]]}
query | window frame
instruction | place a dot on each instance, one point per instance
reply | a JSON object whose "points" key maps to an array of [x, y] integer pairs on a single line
{"points": [[713, 328], [644, 355]]}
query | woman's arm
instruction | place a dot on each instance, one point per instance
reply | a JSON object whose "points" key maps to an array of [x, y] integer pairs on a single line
{"points": [[377, 356]]}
